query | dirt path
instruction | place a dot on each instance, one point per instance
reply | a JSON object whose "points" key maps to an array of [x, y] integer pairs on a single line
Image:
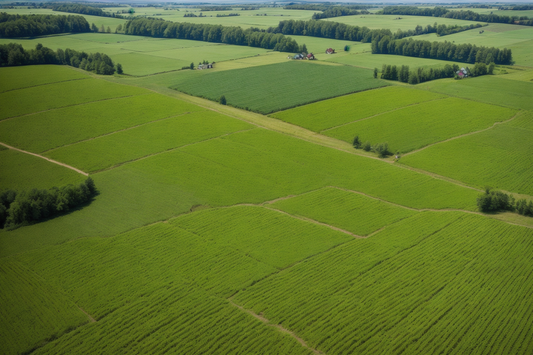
{"points": [[277, 326], [45, 158], [88, 315], [464, 135]]}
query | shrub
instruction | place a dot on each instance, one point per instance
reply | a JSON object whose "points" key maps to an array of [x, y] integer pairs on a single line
{"points": [[382, 149], [367, 147]]}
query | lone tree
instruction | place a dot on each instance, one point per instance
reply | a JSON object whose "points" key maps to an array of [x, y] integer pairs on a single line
{"points": [[119, 68], [192, 66], [222, 100], [356, 142], [375, 73], [382, 149]]}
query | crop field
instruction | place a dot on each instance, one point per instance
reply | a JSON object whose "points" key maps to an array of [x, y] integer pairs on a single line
{"points": [[155, 137], [20, 77], [318, 45], [488, 89], [23, 295], [330, 113], [72, 124], [492, 158], [365, 291], [344, 209], [416, 126], [391, 21], [285, 85]]}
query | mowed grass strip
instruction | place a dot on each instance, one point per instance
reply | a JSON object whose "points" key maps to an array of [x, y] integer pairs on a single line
{"points": [[51, 129], [280, 86], [32, 310], [500, 157], [155, 137], [416, 126], [20, 171], [269, 236], [69, 93], [344, 209], [340, 110], [12, 78]]}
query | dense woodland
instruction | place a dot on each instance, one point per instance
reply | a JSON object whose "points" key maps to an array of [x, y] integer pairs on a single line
{"points": [[79, 9], [13, 54], [211, 33], [39, 25], [466, 53], [495, 201], [337, 11], [460, 15], [27, 207], [420, 75]]}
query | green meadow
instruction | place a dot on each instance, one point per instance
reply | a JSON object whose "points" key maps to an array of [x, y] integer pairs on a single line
{"points": [[279, 86], [219, 230]]}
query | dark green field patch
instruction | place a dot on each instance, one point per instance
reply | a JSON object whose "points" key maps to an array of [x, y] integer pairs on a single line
{"points": [[12, 78], [275, 87]]}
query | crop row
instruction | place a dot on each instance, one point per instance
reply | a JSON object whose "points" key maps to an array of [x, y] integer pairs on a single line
{"points": [[72, 124], [31, 311], [343, 209], [405, 299], [326, 114], [416, 126], [14, 78], [498, 157]]}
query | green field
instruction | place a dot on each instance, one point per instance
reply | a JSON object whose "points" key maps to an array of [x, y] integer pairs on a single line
{"points": [[492, 158], [284, 85], [393, 23], [344, 209], [416, 126], [318, 116], [14, 78]]}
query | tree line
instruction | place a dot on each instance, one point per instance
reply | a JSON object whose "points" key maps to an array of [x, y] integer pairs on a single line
{"points": [[13, 54], [420, 75], [252, 37], [466, 53], [39, 25], [28, 207], [79, 9], [459, 15], [337, 11], [381, 149], [493, 201], [323, 7]]}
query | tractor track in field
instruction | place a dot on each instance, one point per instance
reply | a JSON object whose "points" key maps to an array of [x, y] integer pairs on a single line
{"points": [[45, 158], [91, 319], [279, 327], [464, 135]]}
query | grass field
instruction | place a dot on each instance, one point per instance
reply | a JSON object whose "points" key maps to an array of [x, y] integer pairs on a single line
{"points": [[416, 126], [391, 22], [492, 158], [322, 115], [14, 78], [344, 209], [280, 86], [377, 292]]}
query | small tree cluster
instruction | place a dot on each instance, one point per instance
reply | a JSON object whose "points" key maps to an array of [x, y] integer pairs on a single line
{"points": [[382, 149], [24, 208], [494, 201]]}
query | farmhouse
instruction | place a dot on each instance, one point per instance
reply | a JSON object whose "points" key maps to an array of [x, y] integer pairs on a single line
{"points": [[311, 56], [330, 51], [206, 66]]}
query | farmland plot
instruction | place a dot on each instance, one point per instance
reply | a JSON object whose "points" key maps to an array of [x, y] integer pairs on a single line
{"points": [[371, 297], [275, 87], [416, 126], [498, 157], [330, 113], [21, 77]]}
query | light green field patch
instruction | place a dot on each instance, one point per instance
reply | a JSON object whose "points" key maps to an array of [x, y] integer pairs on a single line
{"points": [[13, 78], [275, 87], [269, 236], [55, 128], [146, 64], [487, 88], [149, 44], [68, 93], [499, 157], [20, 171], [319, 116], [416, 126], [103, 152], [391, 21], [32, 310], [344, 209], [213, 53], [319, 45]]}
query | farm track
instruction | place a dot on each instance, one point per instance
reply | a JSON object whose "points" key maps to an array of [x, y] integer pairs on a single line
{"points": [[111, 133], [379, 114], [465, 135], [277, 326], [34, 86], [92, 320], [45, 158]]}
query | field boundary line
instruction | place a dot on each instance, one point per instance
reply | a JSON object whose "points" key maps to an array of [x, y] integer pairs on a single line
{"points": [[45, 158], [279, 327], [58, 108], [92, 320], [34, 86], [382, 113], [168, 151], [519, 113], [113, 132]]}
